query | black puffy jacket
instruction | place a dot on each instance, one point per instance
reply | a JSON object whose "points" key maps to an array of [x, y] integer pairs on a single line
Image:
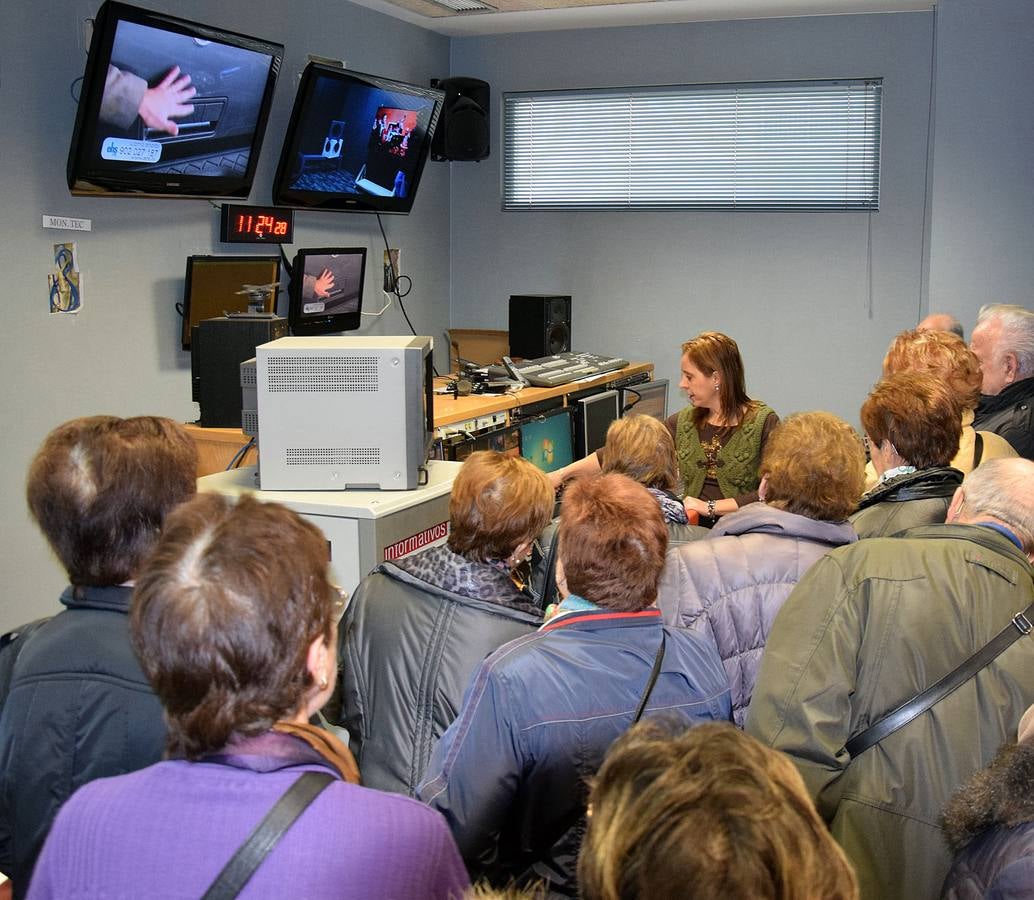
{"points": [[79, 708]]}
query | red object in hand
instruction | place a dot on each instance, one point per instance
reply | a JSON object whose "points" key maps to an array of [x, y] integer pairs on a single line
{"points": [[693, 516]]}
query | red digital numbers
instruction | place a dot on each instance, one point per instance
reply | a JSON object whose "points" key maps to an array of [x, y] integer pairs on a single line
{"points": [[256, 224]]}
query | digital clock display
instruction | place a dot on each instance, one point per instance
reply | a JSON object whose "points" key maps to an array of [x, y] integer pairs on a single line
{"points": [[256, 225]]}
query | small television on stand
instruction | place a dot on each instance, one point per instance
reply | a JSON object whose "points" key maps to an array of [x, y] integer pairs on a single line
{"points": [[326, 290], [355, 142], [170, 108]]}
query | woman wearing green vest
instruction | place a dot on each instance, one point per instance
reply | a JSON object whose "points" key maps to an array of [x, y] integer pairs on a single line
{"points": [[718, 440]]}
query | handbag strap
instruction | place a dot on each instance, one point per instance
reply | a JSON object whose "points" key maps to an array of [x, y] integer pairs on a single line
{"points": [[978, 448], [249, 856], [1018, 627], [654, 672]]}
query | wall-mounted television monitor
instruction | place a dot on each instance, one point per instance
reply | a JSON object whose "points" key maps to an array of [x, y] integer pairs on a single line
{"points": [[649, 399], [355, 142], [326, 290], [170, 107], [546, 440], [215, 285]]}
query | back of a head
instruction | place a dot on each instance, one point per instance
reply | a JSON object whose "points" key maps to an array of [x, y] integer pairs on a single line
{"points": [[497, 503], [613, 542], [919, 414], [942, 322], [100, 488], [815, 465], [642, 448], [223, 614], [1016, 333], [1002, 489], [702, 813], [938, 353]]}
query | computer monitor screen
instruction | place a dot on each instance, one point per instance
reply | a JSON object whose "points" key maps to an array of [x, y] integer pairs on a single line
{"points": [[355, 142], [503, 440], [215, 285], [650, 399], [546, 441], [327, 290], [596, 413], [170, 107]]}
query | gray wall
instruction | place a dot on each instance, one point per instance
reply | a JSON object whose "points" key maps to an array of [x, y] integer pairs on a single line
{"points": [[793, 289], [120, 354], [982, 224]]}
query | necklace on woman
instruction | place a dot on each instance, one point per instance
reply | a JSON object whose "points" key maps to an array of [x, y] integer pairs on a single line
{"points": [[711, 462]]}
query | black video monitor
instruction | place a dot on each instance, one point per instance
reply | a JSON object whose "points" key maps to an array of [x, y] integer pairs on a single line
{"points": [[170, 107], [649, 399], [215, 285], [355, 142], [546, 440], [595, 414], [327, 290]]}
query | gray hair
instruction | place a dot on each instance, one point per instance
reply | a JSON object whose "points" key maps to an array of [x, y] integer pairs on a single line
{"points": [[1004, 490], [1017, 334]]}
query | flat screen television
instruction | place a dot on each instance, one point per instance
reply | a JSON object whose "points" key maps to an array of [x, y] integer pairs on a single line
{"points": [[170, 108], [648, 399], [326, 290], [355, 142], [215, 285], [546, 440]]}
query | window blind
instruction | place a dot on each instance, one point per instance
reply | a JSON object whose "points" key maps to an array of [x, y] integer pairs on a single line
{"points": [[775, 146]]}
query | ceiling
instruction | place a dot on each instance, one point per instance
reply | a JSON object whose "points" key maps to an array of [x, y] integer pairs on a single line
{"points": [[469, 17]]}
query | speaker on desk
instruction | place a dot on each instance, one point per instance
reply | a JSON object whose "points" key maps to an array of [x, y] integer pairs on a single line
{"points": [[540, 325], [217, 349], [463, 124]]}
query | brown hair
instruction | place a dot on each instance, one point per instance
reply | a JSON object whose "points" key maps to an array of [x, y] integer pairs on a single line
{"points": [[100, 487], [497, 503], [705, 812], [815, 466], [710, 352], [223, 616], [939, 353], [918, 414], [613, 542], [642, 448]]}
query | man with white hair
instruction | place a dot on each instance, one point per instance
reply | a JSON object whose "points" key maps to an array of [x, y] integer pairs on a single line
{"points": [[1003, 341], [871, 626]]}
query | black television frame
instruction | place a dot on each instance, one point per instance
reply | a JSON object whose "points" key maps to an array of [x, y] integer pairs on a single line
{"points": [[235, 302], [88, 175], [286, 195], [310, 324]]}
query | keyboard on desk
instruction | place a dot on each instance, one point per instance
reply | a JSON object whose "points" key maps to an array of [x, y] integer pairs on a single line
{"points": [[551, 371]]}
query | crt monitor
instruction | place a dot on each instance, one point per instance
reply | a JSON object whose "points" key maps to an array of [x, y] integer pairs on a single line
{"points": [[355, 142], [327, 290], [595, 413], [170, 107], [546, 440], [649, 399], [215, 285]]}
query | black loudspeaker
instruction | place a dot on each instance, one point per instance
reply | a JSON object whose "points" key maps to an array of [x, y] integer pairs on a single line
{"points": [[217, 349], [540, 325], [463, 125]]}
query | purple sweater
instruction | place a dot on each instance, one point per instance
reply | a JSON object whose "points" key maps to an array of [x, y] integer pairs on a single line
{"points": [[167, 831]]}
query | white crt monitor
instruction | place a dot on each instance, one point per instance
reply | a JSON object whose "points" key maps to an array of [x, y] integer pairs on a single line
{"points": [[337, 413]]}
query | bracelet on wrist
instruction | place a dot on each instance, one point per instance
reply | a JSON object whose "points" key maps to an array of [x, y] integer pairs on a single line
{"points": [[711, 509]]}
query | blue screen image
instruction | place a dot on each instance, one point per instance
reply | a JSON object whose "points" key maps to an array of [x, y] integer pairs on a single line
{"points": [[547, 442]]}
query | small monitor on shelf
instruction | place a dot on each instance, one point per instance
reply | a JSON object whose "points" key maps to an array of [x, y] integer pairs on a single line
{"points": [[649, 399], [595, 414], [327, 290], [355, 142], [216, 285], [170, 107], [546, 440]]}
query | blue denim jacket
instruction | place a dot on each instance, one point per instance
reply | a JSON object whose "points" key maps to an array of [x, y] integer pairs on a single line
{"points": [[510, 773]]}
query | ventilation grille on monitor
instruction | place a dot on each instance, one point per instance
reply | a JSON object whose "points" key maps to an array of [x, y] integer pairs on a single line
{"points": [[333, 456], [250, 422], [322, 373], [249, 375]]}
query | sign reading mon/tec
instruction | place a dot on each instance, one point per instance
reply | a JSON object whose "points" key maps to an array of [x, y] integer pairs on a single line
{"points": [[256, 225], [416, 541]]}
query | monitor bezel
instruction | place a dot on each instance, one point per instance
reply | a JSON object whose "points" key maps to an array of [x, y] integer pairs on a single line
{"points": [[85, 179], [309, 325], [284, 195], [613, 398], [638, 389]]}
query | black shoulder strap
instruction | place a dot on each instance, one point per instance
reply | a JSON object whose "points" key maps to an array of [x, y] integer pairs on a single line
{"points": [[978, 448], [654, 672], [1019, 626], [249, 856]]}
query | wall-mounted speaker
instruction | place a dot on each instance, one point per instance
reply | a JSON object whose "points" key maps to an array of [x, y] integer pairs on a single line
{"points": [[463, 125], [540, 325]]}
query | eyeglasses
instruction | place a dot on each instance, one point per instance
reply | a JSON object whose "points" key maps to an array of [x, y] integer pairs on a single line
{"points": [[340, 603]]}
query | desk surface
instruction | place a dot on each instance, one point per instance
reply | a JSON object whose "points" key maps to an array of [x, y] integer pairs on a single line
{"points": [[449, 409]]}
